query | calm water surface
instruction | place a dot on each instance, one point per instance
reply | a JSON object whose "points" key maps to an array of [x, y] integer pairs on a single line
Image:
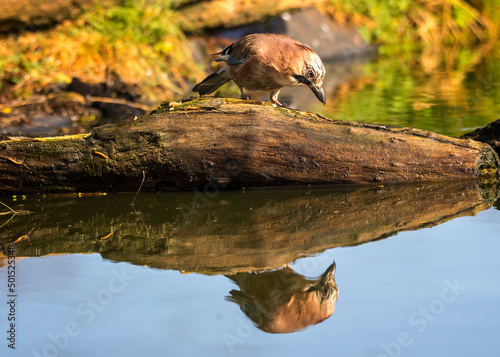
{"points": [[450, 95], [417, 272]]}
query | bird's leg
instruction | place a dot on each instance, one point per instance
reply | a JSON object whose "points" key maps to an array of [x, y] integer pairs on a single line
{"points": [[274, 98], [243, 95]]}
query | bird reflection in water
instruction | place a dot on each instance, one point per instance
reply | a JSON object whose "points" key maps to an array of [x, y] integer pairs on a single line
{"points": [[283, 301]]}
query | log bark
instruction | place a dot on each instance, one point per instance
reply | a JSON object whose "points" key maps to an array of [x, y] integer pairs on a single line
{"points": [[35, 14], [234, 231], [216, 143]]}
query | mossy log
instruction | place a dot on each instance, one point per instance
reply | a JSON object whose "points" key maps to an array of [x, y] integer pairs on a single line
{"points": [[216, 143], [34, 14]]}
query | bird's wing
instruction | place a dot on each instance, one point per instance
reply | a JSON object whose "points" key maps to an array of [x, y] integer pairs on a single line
{"points": [[213, 81]]}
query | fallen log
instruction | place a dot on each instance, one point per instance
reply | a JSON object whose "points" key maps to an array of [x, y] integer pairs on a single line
{"points": [[35, 14], [216, 143]]}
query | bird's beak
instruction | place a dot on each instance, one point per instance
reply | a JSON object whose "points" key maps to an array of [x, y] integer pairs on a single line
{"points": [[329, 275], [319, 93]]}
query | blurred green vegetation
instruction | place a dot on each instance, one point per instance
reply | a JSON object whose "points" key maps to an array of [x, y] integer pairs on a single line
{"points": [[450, 101], [437, 68], [402, 25], [146, 22]]}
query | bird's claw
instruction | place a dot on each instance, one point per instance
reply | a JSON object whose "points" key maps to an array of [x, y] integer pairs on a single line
{"points": [[278, 104]]}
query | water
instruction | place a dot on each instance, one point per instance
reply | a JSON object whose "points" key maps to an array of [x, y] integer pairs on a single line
{"points": [[221, 273], [416, 271], [451, 94]]}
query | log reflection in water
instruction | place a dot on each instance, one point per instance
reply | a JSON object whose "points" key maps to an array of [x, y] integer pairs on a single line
{"points": [[234, 231]]}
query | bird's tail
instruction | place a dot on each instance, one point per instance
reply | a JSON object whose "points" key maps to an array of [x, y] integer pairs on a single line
{"points": [[213, 81]]}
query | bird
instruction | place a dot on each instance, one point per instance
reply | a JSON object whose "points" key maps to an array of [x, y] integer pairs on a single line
{"points": [[283, 301], [267, 62]]}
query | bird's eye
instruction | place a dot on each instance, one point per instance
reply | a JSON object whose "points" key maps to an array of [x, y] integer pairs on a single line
{"points": [[325, 293], [310, 73]]}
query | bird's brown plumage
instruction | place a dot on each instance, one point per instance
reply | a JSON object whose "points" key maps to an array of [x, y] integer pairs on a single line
{"points": [[282, 301], [267, 62]]}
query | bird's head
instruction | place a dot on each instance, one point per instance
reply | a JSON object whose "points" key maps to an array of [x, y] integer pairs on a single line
{"points": [[311, 72]]}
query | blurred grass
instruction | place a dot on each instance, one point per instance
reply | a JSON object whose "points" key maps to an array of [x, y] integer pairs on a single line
{"points": [[145, 43], [407, 25]]}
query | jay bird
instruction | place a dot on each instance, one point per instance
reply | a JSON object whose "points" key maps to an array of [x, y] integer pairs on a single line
{"points": [[283, 301], [267, 62]]}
